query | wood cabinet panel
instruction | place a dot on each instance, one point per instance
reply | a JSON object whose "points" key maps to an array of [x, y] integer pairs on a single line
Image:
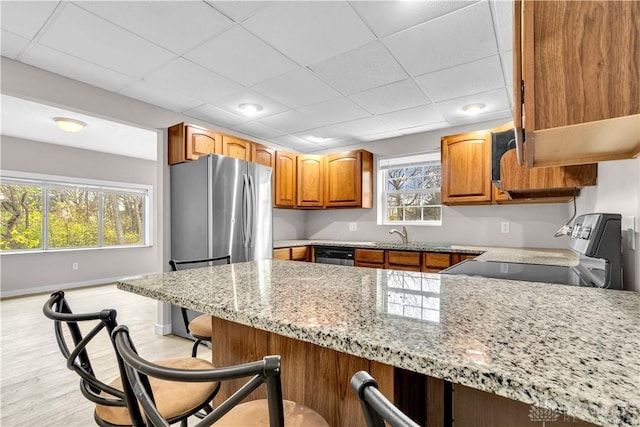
{"points": [[236, 147], [263, 155], [466, 168], [189, 142], [310, 181], [349, 179], [282, 253], [404, 260], [433, 262], [300, 253], [458, 257], [580, 65], [285, 180], [371, 256]]}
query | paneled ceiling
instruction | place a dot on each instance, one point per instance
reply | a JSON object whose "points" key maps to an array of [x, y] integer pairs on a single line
{"points": [[326, 73]]}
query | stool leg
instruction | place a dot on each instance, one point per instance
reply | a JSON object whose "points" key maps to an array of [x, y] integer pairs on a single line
{"points": [[194, 350]]}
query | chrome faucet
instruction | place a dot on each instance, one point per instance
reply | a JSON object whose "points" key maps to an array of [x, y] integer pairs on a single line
{"points": [[403, 234]]}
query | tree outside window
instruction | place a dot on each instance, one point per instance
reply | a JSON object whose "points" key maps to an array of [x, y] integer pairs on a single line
{"points": [[74, 215]]}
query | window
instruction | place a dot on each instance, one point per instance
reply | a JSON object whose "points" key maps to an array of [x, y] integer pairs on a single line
{"points": [[409, 190], [52, 213]]}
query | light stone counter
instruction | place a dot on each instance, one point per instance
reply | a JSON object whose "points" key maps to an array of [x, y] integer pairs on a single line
{"points": [[571, 349], [562, 257]]}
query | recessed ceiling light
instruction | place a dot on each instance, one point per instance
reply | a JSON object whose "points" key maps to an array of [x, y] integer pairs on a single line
{"points": [[318, 139], [250, 109], [69, 125], [473, 108]]}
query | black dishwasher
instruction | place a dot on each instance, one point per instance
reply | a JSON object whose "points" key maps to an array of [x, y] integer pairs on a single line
{"points": [[334, 255]]}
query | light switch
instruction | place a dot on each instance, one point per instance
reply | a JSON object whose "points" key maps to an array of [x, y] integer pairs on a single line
{"points": [[353, 226]]}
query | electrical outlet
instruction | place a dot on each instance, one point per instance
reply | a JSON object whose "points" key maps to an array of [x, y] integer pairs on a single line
{"points": [[353, 226], [504, 227], [74, 266]]}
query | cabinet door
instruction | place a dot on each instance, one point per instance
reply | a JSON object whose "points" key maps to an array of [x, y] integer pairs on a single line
{"points": [[434, 262], [404, 260], [310, 183], [580, 65], [282, 253], [300, 253], [236, 147], [188, 142], [201, 141], [285, 180], [370, 256], [349, 179], [263, 155], [466, 168]]}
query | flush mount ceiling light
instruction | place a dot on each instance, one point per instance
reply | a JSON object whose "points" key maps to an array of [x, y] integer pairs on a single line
{"points": [[250, 109], [318, 139], [473, 108], [69, 125]]}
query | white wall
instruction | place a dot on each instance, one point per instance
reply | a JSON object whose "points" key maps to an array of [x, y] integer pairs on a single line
{"points": [[618, 191]]}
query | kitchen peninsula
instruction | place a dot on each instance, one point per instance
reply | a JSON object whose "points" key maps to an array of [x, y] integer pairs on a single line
{"points": [[573, 350]]}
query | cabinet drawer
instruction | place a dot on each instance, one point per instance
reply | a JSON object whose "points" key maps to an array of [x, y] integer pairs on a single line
{"points": [[282, 253], [299, 253], [375, 256], [434, 260], [403, 258], [404, 267], [369, 264]]}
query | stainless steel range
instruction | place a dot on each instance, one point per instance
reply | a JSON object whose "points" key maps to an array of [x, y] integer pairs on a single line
{"points": [[596, 238]]}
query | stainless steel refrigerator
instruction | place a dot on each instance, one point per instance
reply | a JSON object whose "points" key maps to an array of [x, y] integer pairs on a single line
{"points": [[219, 206]]}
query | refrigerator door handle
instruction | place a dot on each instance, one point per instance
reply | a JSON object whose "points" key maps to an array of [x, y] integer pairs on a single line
{"points": [[252, 211], [245, 210]]}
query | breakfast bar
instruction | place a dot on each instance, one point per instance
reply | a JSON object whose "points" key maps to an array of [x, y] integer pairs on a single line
{"points": [[511, 349]]}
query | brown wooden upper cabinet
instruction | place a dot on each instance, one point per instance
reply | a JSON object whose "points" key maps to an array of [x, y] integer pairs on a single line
{"points": [[310, 181], [188, 142], [349, 179], [466, 168], [236, 147], [263, 155], [285, 180], [577, 80]]}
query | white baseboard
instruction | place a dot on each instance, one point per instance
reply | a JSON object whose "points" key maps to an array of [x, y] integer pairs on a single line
{"points": [[163, 329]]}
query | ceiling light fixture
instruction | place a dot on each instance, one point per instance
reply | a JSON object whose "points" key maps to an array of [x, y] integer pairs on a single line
{"points": [[473, 108], [250, 109], [318, 139], [69, 125]]}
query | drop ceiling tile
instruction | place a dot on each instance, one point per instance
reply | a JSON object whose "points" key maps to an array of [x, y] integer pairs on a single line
{"points": [[12, 44], [425, 128], [362, 127], [176, 26], [231, 103], [296, 144], [495, 100], [82, 34], [363, 68], [392, 97], [506, 115], [258, 130], [242, 57], [388, 17], [291, 121], [380, 136], [296, 89], [334, 111], [162, 97], [462, 36], [25, 18], [503, 22], [187, 78], [418, 116], [239, 10], [506, 58], [322, 29], [330, 135], [466, 79], [214, 115], [75, 68]]}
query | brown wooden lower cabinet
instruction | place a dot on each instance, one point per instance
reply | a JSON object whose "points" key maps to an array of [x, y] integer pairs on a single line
{"points": [[295, 253], [282, 253], [372, 258], [403, 260], [433, 262], [319, 378]]}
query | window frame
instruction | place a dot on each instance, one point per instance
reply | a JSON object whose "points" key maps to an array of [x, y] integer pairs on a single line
{"points": [[405, 160], [45, 182]]}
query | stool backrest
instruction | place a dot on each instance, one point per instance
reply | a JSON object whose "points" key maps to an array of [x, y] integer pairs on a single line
{"points": [[73, 345], [138, 371], [376, 408]]}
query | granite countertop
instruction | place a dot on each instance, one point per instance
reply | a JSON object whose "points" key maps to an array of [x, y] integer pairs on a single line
{"points": [[547, 256], [570, 349]]}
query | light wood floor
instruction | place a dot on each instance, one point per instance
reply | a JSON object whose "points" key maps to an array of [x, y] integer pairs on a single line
{"points": [[36, 387]]}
